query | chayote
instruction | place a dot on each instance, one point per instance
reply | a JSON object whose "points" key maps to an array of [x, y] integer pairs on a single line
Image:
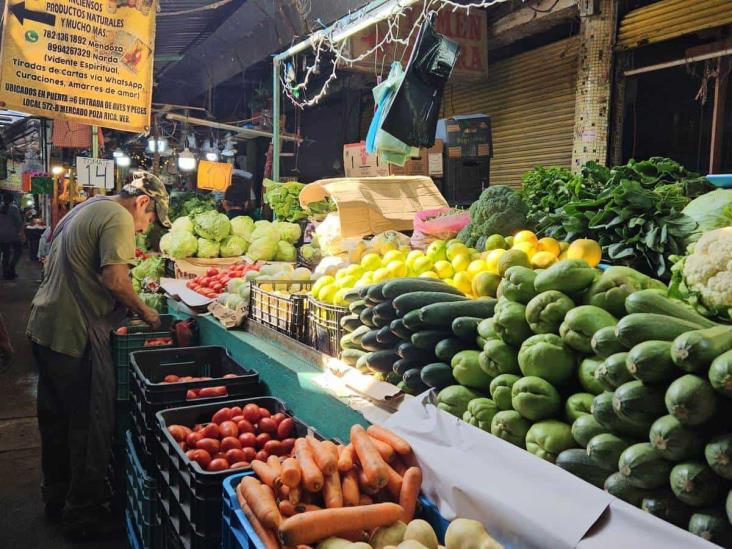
{"points": [[498, 358], [518, 284], [480, 413], [486, 328], [454, 399], [547, 356], [535, 398], [510, 323], [578, 404], [466, 370], [610, 290], [581, 323], [586, 374], [511, 427], [546, 311], [569, 276], [501, 390], [547, 439]]}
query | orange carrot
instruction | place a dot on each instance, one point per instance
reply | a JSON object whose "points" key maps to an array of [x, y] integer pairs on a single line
{"points": [[283, 491], [273, 462], [349, 487], [374, 466], [394, 486], [398, 466], [317, 525], [411, 484], [363, 483], [332, 492], [400, 445], [264, 472], [304, 547], [305, 507], [291, 473], [345, 458], [287, 509], [365, 499], [332, 448], [386, 451], [312, 476], [269, 539], [261, 502], [323, 457], [410, 460], [295, 494]]}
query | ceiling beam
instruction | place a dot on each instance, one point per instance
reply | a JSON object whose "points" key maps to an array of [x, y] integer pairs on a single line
{"points": [[527, 21]]}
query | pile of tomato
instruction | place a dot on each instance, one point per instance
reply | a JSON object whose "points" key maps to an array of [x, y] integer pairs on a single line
{"points": [[214, 282], [203, 392]]}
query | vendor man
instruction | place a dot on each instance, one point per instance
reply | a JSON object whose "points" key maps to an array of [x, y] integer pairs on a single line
{"points": [[85, 294]]}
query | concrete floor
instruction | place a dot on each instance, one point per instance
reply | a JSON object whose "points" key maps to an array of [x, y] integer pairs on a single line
{"points": [[22, 523]]}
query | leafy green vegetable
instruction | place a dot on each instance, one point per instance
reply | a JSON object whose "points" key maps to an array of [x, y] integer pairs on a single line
{"points": [[711, 211], [289, 232], [284, 199], [499, 210], [242, 225], [183, 223], [233, 246], [182, 244], [212, 225], [285, 251], [190, 203], [262, 249], [207, 248], [152, 268], [156, 301]]}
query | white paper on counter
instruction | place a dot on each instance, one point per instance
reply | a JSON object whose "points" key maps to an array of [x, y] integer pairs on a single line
{"points": [[522, 500], [177, 289]]}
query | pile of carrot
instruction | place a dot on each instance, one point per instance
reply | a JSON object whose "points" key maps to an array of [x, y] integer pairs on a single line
{"points": [[332, 490]]}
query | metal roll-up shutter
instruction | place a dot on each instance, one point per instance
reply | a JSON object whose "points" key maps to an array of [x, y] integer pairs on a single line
{"points": [[669, 19], [530, 98]]}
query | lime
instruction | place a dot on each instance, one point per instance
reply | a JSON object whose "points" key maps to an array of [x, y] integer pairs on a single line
{"points": [[494, 242], [512, 258], [485, 284]]}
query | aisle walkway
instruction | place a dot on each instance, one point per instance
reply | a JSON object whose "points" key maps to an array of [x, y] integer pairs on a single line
{"points": [[22, 524]]}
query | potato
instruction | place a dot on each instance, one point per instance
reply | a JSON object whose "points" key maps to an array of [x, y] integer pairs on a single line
{"points": [[334, 543], [420, 530], [469, 534], [359, 545], [410, 544], [390, 535]]}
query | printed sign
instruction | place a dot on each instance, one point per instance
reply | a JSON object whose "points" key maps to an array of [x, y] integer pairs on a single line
{"points": [[87, 61], [13, 177], [214, 176], [470, 30], [95, 172]]}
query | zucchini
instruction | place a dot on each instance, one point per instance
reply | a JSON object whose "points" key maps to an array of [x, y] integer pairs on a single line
{"points": [[437, 375], [605, 343], [370, 343], [643, 466], [617, 485], [351, 356], [375, 292], [366, 317], [577, 462], [405, 364], [652, 301], [386, 337], [412, 321], [639, 327], [694, 351], [674, 441], [718, 453], [363, 291], [613, 372], [407, 350], [695, 484], [442, 314], [351, 296], [650, 362], [385, 309], [604, 450], [380, 321], [416, 300], [638, 404], [586, 374], [393, 288], [584, 428], [357, 306], [665, 506], [346, 342], [487, 329], [728, 506], [370, 302], [466, 327], [691, 400], [427, 339], [603, 412], [720, 374], [413, 380], [381, 361], [711, 525], [358, 333], [350, 322], [398, 329], [361, 364], [449, 347]]}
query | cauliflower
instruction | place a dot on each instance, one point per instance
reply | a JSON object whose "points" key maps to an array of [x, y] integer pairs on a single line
{"points": [[708, 273], [499, 210]]}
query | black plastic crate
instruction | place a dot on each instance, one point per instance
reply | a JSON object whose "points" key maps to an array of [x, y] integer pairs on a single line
{"points": [[134, 340], [198, 493], [142, 499], [285, 313], [325, 326], [465, 179]]}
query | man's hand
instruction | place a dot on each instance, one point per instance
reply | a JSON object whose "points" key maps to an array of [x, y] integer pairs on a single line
{"points": [[151, 317]]}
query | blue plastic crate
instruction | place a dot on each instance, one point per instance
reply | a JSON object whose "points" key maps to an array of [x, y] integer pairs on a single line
{"points": [[237, 532], [142, 499], [132, 540]]}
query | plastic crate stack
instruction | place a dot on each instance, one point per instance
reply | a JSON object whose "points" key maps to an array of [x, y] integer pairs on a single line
{"points": [[285, 313], [325, 329]]}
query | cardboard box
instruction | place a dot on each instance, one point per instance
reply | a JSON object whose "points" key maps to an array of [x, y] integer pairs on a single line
{"points": [[358, 163], [467, 135]]}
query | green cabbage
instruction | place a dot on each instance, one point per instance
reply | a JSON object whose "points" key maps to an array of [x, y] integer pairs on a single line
{"points": [[711, 211], [212, 225], [245, 291], [156, 301], [262, 249], [207, 248], [265, 230], [165, 242], [233, 285], [242, 225], [182, 224], [152, 267], [233, 246], [136, 285], [285, 251], [183, 245], [288, 231]]}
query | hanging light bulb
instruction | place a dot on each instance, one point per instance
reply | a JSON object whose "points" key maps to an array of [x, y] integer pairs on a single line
{"points": [[212, 156], [123, 161], [118, 152], [157, 145], [186, 160], [57, 170]]}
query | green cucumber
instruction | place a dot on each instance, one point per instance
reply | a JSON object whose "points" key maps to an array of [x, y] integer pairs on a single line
{"points": [[650, 362], [584, 428], [694, 351], [366, 317], [357, 306], [652, 301], [385, 310], [603, 412], [639, 404], [711, 525], [674, 441], [394, 288], [363, 291], [398, 329], [386, 337], [351, 356], [416, 300], [375, 292], [405, 364], [695, 484], [466, 327], [639, 327], [358, 333], [577, 462], [382, 361], [605, 343], [350, 322], [613, 372], [437, 375], [370, 343], [407, 350], [351, 296], [442, 314], [428, 339], [361, 363], [413, 380], [718, 453], [449, 347], [691, 400], [643, 466], [412, 321], [665, 506], [617, 485], [605, 449]]}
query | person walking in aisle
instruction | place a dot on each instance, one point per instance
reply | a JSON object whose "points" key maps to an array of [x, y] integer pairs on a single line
{"points": [[11, 234], [85, 294]]}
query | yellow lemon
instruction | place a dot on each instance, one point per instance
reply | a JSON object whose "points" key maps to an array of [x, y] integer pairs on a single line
{"points": [[460, 262], [327, 293], [512, 258], [341, 273], [428, 274], [562, 256], [422, 265], [444, 269], [449, 281], [381, 274], [586, 249], [491, 260], [527, 247], [456, 249], [525, 236], [477, 266], [542, 260], [366, 280], [563, 246], [485, 284], [371, 262], [413, 256], [322, 281], [355, 270], [397, 269], [391, 255], [340, 296], [346, 282], [436, 250], [550, 245], [462, 282]]}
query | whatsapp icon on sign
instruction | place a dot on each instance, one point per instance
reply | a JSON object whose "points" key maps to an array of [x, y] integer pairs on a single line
{"points": [[31, 36]]}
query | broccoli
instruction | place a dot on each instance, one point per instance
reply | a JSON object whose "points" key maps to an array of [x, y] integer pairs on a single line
{"points": [[499, 210]]}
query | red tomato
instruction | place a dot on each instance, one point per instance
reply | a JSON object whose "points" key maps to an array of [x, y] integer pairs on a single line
{"points": [[273, 447], [235, 411], [228, 429], [178, 432], [262, 455], [210, 431], [122, 330], [267, 425], [191, 395], [262, 439], [211, 445], [230, 443], [287, 445], [249, 452], [202, 457], [220, 455], [218, 465], [248, 439], [245, 426], [223, 414], [189, 284], [171, 379], [193, 438], [240, 465], [208, 392], [182, 445], [263, 412], [217, 287], [205, 282], [251, 413], [286, 428], [213, 271], [237, 419], [234, 455], [197, 427], [278, 417]]}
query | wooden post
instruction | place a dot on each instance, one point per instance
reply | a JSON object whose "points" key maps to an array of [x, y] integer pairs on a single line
{"points": [[95, 151], [720, 95]]}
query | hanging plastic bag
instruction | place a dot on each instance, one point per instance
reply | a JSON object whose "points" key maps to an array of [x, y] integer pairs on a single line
{"points": [[437, 224], [412, 115]]}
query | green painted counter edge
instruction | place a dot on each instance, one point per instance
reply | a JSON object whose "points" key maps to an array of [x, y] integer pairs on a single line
{"points": [[285, 375]]}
